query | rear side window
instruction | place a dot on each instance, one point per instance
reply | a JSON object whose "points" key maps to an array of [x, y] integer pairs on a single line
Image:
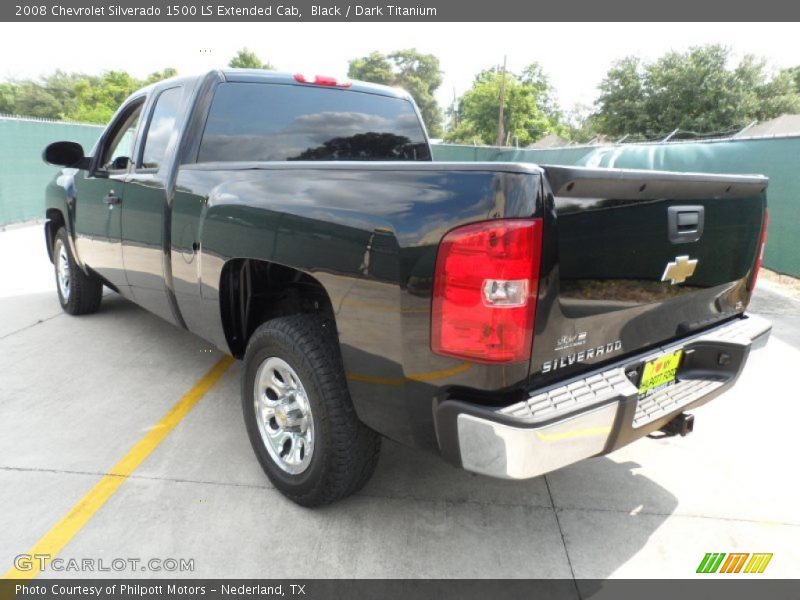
{"points": [[162, 124], [276, 122]]}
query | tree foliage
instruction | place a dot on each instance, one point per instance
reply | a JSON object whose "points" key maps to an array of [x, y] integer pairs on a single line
{"points": [[693, 91], [87, 98], [530, 111], [73, 96], [581, 124], [794, 74], [417, 73], [247, 59], [701, 90], [8, 93]]}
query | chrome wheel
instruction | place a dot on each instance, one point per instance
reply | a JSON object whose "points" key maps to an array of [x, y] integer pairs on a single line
{"points": [[63, 275], [283, 415]]}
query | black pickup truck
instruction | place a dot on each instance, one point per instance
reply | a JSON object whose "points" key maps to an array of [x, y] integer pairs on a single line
{"points": [[513, 318]]}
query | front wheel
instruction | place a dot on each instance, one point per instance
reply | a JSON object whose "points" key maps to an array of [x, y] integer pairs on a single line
{"points": [[78, 293], [299, 415]]}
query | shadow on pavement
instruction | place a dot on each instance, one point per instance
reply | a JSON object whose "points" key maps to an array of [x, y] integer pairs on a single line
{"points": [[445, 521]]}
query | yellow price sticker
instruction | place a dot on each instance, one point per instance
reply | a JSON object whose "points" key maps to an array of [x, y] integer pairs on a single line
{"points": [[660, 371]]}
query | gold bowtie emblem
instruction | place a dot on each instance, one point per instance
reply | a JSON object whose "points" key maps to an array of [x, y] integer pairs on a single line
{"points": [[679, 270]]}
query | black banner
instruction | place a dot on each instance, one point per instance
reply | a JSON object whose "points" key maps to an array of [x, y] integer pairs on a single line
{"points": [[396, 10], [732, 588]]}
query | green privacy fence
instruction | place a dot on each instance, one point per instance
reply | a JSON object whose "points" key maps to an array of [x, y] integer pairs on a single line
{"points": [[777, 157], [551, 156], [23, 175]]}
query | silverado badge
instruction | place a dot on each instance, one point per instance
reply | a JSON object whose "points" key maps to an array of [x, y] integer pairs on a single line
{"points": [[679, 270]]}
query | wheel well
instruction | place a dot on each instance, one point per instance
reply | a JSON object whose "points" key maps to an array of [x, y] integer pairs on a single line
{"points": [[254, 291], [55, 221]]}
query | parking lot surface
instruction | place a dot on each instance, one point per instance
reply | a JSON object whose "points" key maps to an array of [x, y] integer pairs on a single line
{"points": [[77, 393]]}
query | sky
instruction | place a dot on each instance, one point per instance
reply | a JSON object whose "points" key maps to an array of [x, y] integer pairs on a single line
{"points": [[576, 56]]}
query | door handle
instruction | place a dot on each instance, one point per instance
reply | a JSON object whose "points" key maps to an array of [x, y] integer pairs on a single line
{"points": [[685, 223], [111, 199]]}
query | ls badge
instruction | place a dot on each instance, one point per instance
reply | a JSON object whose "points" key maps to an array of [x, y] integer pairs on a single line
{"points": [[679, 270]]}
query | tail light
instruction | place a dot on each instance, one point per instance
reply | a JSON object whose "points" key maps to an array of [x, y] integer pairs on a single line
{"points": [[760, 258], [484, 292]]}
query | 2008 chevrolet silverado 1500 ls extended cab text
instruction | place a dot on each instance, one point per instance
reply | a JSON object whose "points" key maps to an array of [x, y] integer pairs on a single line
{"points": [[513, 318]]}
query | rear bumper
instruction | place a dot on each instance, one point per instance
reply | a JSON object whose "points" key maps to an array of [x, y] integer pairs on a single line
{"points": [[594, 413]]}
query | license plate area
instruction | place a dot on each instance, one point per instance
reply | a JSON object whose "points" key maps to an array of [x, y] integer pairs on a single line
{"points": [[659, 373]]}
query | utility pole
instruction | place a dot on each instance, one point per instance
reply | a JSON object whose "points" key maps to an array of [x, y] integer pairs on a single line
{"points": [[501, 124]]}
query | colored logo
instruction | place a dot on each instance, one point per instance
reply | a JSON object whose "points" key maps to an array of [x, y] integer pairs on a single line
{"points": [[735, 562]]}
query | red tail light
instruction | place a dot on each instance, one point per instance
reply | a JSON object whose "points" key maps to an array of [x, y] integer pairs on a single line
{"points": [[321, 80], [761, 245], [484, 292]]}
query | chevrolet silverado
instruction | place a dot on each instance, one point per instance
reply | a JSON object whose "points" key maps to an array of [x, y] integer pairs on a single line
{"points": [[513, 318]]}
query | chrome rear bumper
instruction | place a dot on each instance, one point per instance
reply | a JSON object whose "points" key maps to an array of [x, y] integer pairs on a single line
{"points": [[595, 413]]}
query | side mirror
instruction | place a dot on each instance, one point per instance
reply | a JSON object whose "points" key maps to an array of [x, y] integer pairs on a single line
{"points": [[65, 154]]}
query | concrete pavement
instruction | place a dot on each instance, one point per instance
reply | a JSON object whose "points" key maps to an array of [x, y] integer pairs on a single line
{"points": [[77, 393]]}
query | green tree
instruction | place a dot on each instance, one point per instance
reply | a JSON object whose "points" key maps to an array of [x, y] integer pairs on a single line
{"points": [[8, 98], [247, 59], [794, 73], [61, 86], [530, 111], [74, 96], [581, 124], [622, 99], [374, 68], [51, 98], [99, 97], [35, 100], [534, 76], [417, 73], [160, 75], [693, 91]]}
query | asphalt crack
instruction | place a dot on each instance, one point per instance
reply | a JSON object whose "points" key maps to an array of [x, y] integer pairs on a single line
{"points": [[563, 537], [38, 322]]}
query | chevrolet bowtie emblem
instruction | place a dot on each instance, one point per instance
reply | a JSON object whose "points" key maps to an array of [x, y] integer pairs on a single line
{"points": [[679, 270]]}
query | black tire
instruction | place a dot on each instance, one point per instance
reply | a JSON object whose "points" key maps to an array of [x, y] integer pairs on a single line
{"points": [[84, 291], [345, 451]]}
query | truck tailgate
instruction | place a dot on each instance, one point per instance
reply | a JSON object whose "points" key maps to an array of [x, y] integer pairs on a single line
{"points": [[632, 259]]}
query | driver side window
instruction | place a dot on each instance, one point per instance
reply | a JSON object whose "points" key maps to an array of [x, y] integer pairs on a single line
{"points": [[118, 150]]}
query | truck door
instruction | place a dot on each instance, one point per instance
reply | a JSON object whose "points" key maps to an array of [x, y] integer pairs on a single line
{"points": [[146, 213], [99, 198]]}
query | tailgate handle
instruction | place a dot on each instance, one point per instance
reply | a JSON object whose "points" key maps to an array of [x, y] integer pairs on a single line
{"points": [[685, 223]]}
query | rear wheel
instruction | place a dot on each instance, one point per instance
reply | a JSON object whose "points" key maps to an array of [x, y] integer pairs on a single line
{"points": [[78, 293], [299, 415]]}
